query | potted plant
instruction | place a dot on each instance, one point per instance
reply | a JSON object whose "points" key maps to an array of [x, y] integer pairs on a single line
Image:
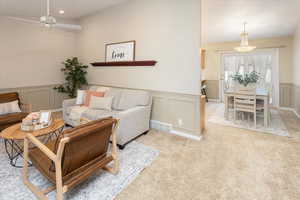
{"points": [[248, 80], [75, 76]]}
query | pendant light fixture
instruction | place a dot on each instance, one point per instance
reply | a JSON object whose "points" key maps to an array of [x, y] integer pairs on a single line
{"points": [[244, 46]]}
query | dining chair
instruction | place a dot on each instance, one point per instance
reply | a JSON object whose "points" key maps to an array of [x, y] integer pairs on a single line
{"points": [[245, 102], [260, 107]]}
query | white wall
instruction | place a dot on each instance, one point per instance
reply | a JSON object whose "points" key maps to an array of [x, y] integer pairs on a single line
{"points": [[31, 55], [213, 56], [296, 68], [165, 30]]}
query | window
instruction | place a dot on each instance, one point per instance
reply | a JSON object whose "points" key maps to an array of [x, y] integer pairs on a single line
{"points": [[261, 61]]}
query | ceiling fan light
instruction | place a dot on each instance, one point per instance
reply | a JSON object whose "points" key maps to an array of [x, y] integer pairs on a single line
{"points": [[48, 20]]}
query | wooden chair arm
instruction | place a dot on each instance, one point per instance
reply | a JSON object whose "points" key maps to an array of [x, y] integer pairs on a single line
{"points": [[26, 108], [41, 146], [41, 194], [84, 120]]}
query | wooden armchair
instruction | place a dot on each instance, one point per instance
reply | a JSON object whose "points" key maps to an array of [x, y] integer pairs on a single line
{"points": [[13, 118], [74, 156]]}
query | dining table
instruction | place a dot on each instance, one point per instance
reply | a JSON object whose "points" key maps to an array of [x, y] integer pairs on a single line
{"points": [[261, 94]]}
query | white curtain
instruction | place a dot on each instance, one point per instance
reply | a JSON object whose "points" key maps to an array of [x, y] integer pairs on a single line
{"points": [[262, 62]]}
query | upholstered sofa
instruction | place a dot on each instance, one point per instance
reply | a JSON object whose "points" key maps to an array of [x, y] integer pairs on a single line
{"points": [[132, 107]]}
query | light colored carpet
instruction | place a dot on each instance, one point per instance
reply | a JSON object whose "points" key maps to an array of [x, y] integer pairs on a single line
{"points": [[102, 186], [276, 125], [227, 164]]}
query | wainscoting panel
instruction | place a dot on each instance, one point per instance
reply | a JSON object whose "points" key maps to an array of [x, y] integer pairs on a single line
{"points": [[286, 92], [180, 112], [160, 112], [41, 97], [297, 98], [212, 89], [286, 95]]}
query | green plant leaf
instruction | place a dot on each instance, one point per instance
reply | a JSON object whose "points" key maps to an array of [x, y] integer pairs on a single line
{"points": [[75, 76]]}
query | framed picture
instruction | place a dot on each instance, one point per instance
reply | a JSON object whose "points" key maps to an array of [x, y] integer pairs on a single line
{"points": [[45, 117], [118, 52]]}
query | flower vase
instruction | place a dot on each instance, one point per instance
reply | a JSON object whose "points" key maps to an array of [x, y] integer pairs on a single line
{"points": [[249, 87]]}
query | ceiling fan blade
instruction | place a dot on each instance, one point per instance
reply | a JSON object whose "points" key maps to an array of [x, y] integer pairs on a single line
{"points": [[73, 27], [23, 20]]}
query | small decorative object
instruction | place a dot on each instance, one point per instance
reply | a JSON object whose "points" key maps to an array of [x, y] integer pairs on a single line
{"points": [[247, 78], [117, 52], [75, 75], [36, 121]]}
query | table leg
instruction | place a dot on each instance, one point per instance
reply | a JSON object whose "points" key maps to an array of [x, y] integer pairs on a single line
{"points": [[266, 110], [14, 152], [226, 107]]}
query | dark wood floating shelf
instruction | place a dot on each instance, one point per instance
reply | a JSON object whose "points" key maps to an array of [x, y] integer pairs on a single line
{"points": [[125, 64]]}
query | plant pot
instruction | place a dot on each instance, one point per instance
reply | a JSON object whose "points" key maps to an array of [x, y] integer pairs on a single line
{"points": [[249, 87]]}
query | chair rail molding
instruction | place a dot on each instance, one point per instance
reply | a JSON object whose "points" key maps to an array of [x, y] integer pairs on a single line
{"points": [[41, 97], [174, 112], [179, 113]]}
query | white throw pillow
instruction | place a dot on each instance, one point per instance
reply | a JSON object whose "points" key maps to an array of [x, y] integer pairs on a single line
{"points": [[102, 89], [80, 97], [10, 107], [102, 103]]}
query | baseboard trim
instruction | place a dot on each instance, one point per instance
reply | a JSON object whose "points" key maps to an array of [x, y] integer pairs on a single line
{"points": [[186, 135], [290, 109], [297, 114], [214, 100], [166, 127], [56, 110]]}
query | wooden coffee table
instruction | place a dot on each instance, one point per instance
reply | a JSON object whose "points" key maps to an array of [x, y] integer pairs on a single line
{"points": [[13, 138]]}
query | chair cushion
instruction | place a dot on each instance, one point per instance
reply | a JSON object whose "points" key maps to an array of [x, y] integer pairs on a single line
{"points": [[10, 107], [11, 119], [132, 98], [101, 103], [68, 109], [116, 94], [93, 114]]}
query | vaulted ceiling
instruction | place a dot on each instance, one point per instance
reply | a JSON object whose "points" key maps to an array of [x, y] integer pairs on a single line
{"points": [[222, 20], [74, 9]]}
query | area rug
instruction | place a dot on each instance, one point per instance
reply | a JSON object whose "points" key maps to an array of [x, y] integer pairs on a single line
{"points": [[276, 125], [102, 186]]}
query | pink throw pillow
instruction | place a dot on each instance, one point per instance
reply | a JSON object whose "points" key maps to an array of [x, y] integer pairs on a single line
{"points": [[89, 94]]}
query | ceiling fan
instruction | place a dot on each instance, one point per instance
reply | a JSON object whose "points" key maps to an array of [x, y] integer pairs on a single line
{"points": [[49, 21]]}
